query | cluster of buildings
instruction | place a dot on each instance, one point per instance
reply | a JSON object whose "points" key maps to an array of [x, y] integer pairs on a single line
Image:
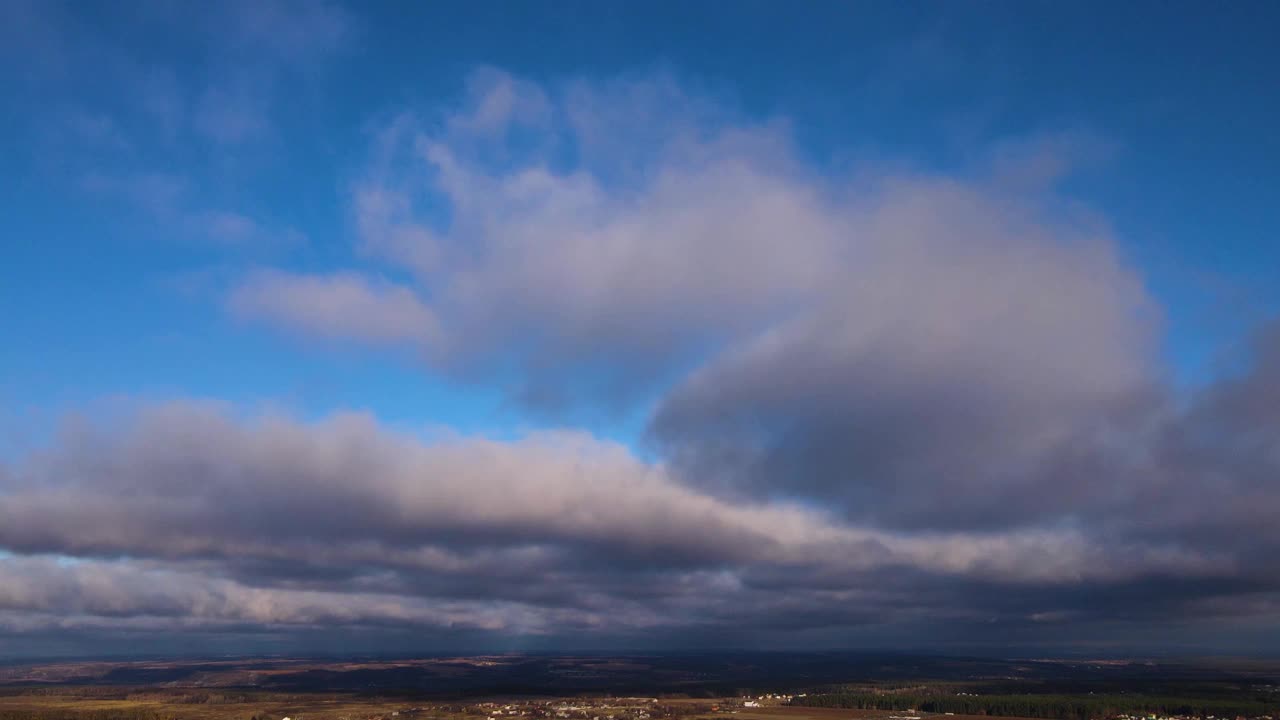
{"points": [[768, 699], [581, 709], [1155, 716]]}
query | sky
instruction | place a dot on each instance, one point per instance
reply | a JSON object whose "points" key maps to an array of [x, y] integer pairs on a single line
{"points": [[524, 326]]}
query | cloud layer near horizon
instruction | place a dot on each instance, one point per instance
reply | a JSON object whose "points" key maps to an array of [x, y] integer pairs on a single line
{"points": [[886, 402]]}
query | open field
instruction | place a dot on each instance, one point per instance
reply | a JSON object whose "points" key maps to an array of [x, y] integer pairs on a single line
{"points": [[167, 705], [786, 712], [730, 686], [319, 706]]}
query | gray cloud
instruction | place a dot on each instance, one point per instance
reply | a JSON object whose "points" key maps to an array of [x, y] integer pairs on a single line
{"points": [[185, 480], [883, 404], [933, 382], [188, 516], [701, 237], [341, 306], [848, 336]]}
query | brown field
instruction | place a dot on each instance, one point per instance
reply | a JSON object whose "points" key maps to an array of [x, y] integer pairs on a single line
{"points": [[319, 706], [312, 706], [784, 712]]}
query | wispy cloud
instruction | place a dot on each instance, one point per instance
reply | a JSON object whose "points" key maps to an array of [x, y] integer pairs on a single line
{"points": [[337, 307], [168, 201], [150, 133], [230, 117]]}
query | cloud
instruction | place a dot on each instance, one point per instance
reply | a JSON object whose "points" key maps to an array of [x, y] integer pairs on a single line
{"points": [[126, 595], [846, 333], [156, 193], [972, 344], [163, 138], [230, 116], [576, 272], [339, 306], [256, 49], [205, 479], [233, 229], [192, 515], [962, 370], [874, 401], [166, 199], [292, 32], [697, 237]]}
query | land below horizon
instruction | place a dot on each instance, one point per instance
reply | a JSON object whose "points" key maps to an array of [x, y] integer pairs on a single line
{"points": [[750, 686]]}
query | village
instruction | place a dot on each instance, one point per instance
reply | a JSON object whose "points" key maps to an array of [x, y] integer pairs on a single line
{"points": [[587, 708], [651, 708]]}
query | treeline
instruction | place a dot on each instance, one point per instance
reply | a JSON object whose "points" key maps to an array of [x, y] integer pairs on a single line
{"points": [[81, 691], [140, 695], [1059, 707], [215, 698], [62, 714]]}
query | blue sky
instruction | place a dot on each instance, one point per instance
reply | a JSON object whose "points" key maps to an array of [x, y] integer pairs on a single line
{"points": [[191, 214]]}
